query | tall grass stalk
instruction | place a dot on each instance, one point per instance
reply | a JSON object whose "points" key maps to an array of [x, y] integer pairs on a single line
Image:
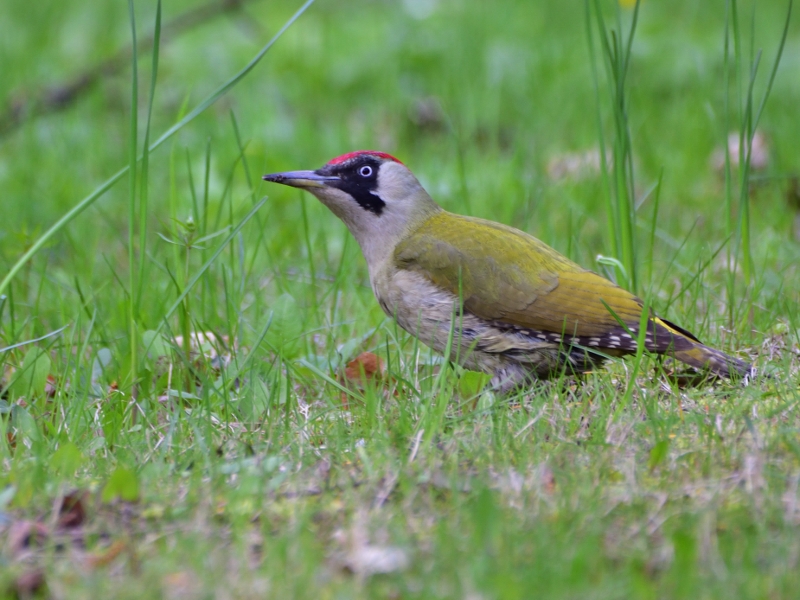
{"points": [[748, 114], [145, 167], [136, 275], [133, 153], [619, 184]]}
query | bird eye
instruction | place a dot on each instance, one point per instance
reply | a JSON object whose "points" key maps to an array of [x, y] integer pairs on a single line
{"points": [[365, 171]]}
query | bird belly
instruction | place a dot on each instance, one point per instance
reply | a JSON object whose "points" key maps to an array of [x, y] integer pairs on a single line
{"points": [[433, 316]]}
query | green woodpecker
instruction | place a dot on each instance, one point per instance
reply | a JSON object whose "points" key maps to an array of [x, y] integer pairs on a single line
{"points": [[510, 305]]}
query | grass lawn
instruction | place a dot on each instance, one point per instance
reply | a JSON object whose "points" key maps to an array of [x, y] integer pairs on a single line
{"points": [[177, 417]]}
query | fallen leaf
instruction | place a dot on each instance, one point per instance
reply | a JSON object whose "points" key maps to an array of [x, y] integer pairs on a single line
{"points": [[50, 386], [107, 556], [72, 512], [364, 367]]}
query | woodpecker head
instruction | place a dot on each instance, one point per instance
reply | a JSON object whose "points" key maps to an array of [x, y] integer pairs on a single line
{"points": [[376, 195]]}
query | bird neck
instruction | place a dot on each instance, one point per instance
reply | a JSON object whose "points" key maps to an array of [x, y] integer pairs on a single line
{"points": [[379, 237]]}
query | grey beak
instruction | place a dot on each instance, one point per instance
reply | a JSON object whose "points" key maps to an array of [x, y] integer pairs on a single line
{"points": [[300, 179]]}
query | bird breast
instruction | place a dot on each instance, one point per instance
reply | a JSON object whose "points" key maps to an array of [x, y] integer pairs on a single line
{"points": [[427, 312], [419, 306]]}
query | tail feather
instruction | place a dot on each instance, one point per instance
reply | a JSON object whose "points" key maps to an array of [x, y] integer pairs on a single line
{"points": [[686, 348], [719, 363]]}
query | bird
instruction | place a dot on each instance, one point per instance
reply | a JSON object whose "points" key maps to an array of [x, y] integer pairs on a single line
{"points": [[502, 301]]}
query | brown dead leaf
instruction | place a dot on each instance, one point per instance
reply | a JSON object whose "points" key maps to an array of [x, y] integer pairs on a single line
{"points": [[50, 386], [364, 367], [106, 556], [72, 512]]}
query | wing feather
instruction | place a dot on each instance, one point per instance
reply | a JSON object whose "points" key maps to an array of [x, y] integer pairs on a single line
{"points": [[505, 275]]}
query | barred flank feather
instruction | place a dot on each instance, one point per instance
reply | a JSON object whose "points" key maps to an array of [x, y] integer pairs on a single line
{"points": [[661, 337]]}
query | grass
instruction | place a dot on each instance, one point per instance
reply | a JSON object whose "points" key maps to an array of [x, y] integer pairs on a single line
{"points": [[235, 469]]}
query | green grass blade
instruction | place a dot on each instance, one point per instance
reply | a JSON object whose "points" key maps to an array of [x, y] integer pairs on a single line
{"points": [[775, 64], [607, 195], [133, 153], [39, 339], [145, 168], [616, 51], [193, 281]]}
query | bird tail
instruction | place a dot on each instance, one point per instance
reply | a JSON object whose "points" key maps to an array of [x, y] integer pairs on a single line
{"points": [[686, 348], [710, 359]]}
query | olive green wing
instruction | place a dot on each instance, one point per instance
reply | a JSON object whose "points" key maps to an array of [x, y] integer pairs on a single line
{"points": [[508, 276]]}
